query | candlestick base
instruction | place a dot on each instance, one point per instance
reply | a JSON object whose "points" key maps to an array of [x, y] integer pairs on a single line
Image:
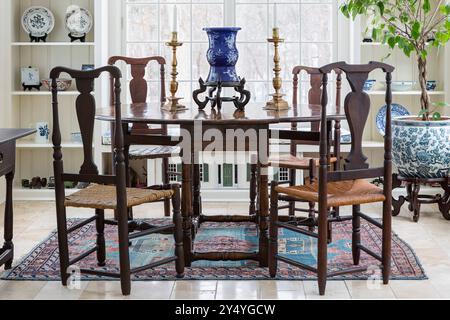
{"points": [[173, 105], [277, 103]]}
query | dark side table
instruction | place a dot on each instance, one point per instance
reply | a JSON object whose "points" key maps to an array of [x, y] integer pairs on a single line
{"points": [[8, 139], [415, 199]]}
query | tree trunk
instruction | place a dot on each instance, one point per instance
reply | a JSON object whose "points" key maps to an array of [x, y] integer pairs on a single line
{"points": [[425, 98]]}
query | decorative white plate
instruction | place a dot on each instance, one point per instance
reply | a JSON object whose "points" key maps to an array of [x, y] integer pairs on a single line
{"points": [[38, 21], [78, 21]]}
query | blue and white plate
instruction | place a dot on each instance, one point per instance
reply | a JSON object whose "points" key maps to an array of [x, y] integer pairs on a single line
{"points": [[38, 21], [397, 110]]}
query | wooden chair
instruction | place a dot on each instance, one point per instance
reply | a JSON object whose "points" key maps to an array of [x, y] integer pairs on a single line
{"points": [[291, 161], [138, 91], [343, 188], [106, 191]]}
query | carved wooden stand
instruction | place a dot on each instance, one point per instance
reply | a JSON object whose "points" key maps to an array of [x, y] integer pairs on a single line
{"points": [[415, 199]]}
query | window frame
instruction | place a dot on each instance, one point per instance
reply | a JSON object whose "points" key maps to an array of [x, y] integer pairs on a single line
{"points": [[229, 7]]}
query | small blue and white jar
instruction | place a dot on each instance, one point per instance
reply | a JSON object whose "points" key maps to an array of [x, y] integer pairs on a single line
{"points": [[421, 149], [222, 55]]}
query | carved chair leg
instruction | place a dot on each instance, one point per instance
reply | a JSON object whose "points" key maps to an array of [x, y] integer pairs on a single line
{"points": [[124, 256], [166, 181], [178, 231], [63, 243], [387, 238], [356, 234], [273, 230], [100, 226], [322, 249]]}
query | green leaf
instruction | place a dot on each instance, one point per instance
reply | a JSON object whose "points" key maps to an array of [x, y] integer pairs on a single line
{"points": [[392, 41], [437, 116], [426, 6], [422, 112], [441, 104], [415, 30], [380, 5], [424, 54]]}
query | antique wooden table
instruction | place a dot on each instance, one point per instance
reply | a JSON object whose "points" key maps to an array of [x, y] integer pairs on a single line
{"points": [[8, 139], [194, 124]]}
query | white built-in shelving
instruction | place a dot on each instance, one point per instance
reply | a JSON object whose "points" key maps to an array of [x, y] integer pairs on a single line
{"points": [[405, 70], [26, 108]]}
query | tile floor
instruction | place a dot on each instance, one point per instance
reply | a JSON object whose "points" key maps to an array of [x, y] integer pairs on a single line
{"points": [[430, 238]]}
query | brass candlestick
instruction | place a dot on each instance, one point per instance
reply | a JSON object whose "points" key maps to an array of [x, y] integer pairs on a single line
{"points": [[173, 103], [277, 102]]}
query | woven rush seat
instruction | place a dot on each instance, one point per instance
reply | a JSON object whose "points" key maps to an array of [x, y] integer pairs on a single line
{"points": [[292, 162], [153, 152], [341, 193], [104, 197]]}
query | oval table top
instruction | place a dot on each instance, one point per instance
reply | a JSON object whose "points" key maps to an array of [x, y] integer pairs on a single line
{"points": [[151, 113]]}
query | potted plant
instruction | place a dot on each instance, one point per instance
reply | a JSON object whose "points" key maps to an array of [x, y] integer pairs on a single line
{"points": [[421, 144]]}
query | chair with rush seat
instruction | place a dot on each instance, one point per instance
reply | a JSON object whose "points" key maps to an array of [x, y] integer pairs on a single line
{"points": [[292, 161], [347, 187], [138, 91], [105, 191]]}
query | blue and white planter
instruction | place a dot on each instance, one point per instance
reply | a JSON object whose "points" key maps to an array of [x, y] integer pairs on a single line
{"points": [[421, 149], [222, 55]]}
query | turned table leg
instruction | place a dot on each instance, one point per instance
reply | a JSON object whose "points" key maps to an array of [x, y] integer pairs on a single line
{"points": [[263, 196], [8, 245], [187, 213]]}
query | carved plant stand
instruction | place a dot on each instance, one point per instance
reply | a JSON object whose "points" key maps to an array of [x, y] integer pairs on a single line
{"points": [[415, 199]]}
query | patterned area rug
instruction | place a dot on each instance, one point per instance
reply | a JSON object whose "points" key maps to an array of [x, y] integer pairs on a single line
{"points": [[43, 262]]}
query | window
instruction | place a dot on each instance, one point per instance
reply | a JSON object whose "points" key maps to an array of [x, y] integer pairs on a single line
{"points": [[284, 174], [204, 172], [177, 169], [281, 174], [308, 26], [148, 27], [227, 175]]}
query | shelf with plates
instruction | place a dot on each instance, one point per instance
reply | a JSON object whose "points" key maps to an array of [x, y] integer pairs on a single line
{"points": [[52, 44]]}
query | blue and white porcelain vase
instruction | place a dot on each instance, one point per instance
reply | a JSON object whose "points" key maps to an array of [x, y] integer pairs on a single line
{"points": [[421, 149], [222, 55]]}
